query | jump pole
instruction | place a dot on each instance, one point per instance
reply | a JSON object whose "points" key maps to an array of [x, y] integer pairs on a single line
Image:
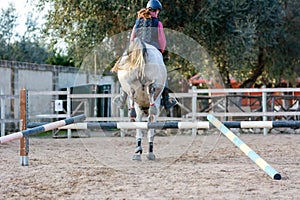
{"points": [[180, 125], [40, 129], [244, 148], [138, 125]]}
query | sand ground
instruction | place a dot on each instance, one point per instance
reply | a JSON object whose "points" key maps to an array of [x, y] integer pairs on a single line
{"points": [[201, 167]]}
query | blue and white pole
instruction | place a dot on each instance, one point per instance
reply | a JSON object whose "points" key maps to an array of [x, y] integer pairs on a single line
{"points": [[244, 148], [40, 129]]}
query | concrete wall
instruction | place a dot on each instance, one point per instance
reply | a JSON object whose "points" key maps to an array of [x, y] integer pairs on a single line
{"points": [[35, 80], [5, 80], [5, 89], [35, 77]]}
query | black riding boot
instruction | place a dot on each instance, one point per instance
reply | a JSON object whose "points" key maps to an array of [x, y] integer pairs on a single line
{"points": [[167, 101]]}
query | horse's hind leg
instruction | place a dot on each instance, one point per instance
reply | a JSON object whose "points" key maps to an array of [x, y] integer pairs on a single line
{"points": [[151, 133], [150, 154], [138, 150], [153, 112], [132, 112]]}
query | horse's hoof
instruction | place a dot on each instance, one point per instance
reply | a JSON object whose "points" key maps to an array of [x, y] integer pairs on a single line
{"points": [[137, 157], [150, 156]]}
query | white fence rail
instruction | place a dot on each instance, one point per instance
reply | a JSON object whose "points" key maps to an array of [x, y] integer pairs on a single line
{"points": [[219, 101], [218, 98], [225, 94]]}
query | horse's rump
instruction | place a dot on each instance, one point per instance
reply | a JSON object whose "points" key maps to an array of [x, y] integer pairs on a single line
{"points": [[140, 66]]}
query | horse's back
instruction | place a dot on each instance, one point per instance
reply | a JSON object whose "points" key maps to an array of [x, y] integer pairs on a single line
{"points": [[154, 72], [155, 68]]}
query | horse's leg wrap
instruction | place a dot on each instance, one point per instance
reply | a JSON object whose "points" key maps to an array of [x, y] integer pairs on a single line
{"points": [[150, 154], [139, 148], [150, 147], [132, 113]]}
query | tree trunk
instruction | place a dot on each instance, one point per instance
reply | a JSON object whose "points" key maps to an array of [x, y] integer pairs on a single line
{"points": [[257, 71]]}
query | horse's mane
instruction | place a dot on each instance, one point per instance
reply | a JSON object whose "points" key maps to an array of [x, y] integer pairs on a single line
{"points": [[136, 54], [134, 57]]}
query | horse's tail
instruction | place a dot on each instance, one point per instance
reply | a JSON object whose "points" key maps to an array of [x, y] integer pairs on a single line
{"points": [[136, 54]]}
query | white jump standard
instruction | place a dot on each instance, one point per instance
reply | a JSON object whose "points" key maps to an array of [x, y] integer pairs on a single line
{"points": [[244, 148]]}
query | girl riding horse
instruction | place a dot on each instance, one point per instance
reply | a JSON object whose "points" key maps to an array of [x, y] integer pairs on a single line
{"points": [[150, 30]]}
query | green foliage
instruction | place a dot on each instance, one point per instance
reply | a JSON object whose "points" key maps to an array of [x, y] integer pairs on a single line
{"points": [[7, 25], [250, 40], [84, 24], [58, 58], [26, 51], [288, 50], [25, 48], [241, 36]]}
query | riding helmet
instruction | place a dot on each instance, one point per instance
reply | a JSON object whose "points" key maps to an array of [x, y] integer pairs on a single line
{"points": [[154, 5]]}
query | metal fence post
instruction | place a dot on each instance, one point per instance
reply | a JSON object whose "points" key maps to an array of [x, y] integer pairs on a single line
{"points": [[69, 131], [264, 107], [2, 116], [123, 132], [194, 108]]}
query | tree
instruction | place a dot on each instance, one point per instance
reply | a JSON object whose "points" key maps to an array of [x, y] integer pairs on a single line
{"points": [[28, 47], [84, 24], [247, 39], [8, 23], [289, 46], [57, 57], [241, 35]]}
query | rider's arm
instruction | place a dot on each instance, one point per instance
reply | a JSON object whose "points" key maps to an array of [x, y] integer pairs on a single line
{"points": [[161, 37], [132, 36]]}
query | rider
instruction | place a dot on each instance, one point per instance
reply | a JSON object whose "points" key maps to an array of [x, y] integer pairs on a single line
{"points": [[150, 30]]}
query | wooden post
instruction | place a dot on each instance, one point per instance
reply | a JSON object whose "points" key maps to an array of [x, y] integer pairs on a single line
{"points": [[24, 141]]}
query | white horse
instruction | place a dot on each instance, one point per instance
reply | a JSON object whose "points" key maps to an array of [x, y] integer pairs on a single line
{"points": [[142, 75]]}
